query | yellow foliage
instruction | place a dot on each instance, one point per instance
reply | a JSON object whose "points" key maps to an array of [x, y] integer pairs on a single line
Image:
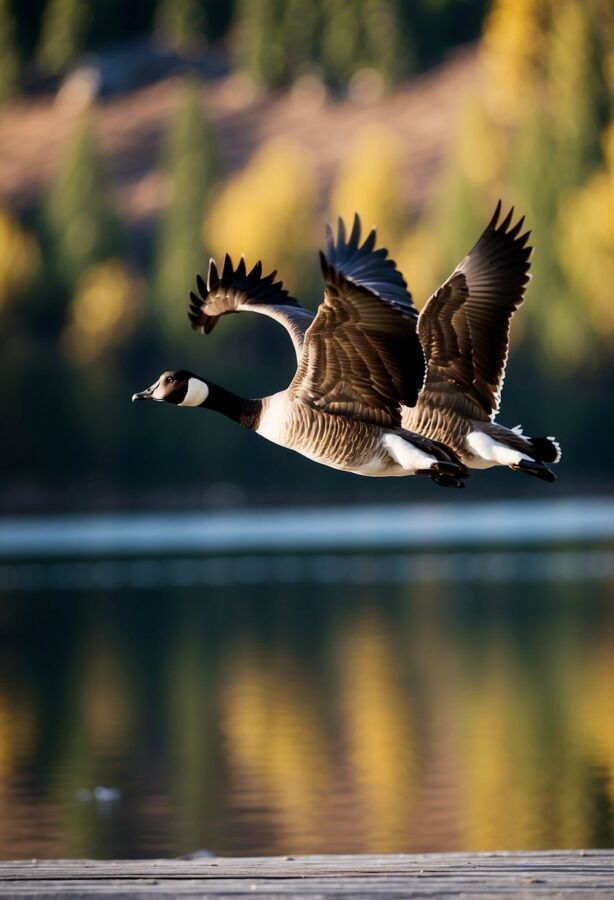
{"points": [[569, 64], [266, 211], [513, 52], [368, 183], [418, 259], [586, 241], [19, 257], [104, 311], [480, 149]]}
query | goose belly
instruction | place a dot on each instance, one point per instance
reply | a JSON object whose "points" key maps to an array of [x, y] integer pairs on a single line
{"points": [[484, 451], [334, 441]]}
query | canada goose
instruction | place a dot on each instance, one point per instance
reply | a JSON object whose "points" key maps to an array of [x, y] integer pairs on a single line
{"points": [[463, 330], [356, 357]]}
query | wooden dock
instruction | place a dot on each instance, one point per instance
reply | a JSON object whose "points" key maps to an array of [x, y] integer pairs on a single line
{"points": [[563, 874]]}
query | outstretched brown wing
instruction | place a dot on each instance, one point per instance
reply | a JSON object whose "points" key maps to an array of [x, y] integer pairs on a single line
{"points": [[361, 355], [464, 326], [235, 290]]}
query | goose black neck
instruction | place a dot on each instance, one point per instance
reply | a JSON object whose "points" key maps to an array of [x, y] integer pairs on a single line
{"points": [[240, 409]]}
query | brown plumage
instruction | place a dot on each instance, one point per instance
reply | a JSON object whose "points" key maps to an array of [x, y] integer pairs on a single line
{"points": [[364, 355], [356, 358], [464, 329], [464, 326]]}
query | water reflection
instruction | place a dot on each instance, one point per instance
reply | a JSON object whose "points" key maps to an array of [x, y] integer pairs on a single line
{"points": [[330, 717]]}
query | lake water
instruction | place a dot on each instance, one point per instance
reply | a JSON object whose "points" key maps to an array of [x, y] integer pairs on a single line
{"points": [[307, 695]]}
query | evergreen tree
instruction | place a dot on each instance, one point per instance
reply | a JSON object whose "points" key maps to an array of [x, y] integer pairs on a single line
{"points": [[586, 242], [360, 35], [188, 161], [78, 224], [62, 34], [180, 22], [557, 326], [576, 85], [341, 41], [386, 47], [299, 37], [9, 59], [260, 46], [555, 149]]}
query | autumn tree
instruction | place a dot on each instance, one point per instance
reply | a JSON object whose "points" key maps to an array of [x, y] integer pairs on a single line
{"points": [[189, 167], [9, 56], [78, 223]]}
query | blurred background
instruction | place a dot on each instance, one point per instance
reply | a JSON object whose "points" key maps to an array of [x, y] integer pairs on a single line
{"points": [[399, 698], [136, 143]]}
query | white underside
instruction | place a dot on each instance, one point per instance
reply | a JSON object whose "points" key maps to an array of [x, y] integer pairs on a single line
{"points": [[377, 467], [409, 457], [487, 452], [272, 425]]}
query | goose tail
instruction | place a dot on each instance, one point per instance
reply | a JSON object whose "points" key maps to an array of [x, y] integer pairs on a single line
{"points": [[546, 449]]}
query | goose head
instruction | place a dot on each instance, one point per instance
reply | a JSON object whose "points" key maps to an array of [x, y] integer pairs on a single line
{"points": [[179, 387]]}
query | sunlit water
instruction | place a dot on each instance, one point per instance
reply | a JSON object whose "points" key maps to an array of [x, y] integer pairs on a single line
{"points": [[363, 701]]}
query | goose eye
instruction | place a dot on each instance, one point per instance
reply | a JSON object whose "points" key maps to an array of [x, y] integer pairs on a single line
{"points": [[169, 380]]}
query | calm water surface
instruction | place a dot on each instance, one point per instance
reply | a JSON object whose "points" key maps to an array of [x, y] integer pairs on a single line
{"points": [[358, 703]]}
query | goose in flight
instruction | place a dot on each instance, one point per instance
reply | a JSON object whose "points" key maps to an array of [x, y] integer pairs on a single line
{"points": [[464, 330], [462, 337], [355, 358]]}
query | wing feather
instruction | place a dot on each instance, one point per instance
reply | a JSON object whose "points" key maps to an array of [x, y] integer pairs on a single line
{"points": [[464, 326], [236, 290], [361, 354]]}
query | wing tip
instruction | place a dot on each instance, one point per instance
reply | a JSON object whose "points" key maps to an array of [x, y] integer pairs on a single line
{"points": [[212, 274], [324, 264], [492, 225], [364, 264], [354, 239]]}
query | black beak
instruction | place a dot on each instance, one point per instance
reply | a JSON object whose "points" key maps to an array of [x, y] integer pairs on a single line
{"points": [[144, 395]]}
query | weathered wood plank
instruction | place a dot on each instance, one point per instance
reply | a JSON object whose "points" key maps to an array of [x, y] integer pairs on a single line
{"points": [[562, 874]]}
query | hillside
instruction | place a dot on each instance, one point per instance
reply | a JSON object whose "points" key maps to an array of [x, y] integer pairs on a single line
{"points": [[423, 112]]}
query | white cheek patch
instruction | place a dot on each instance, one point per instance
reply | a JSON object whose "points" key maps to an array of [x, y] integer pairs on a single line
{"points": [[158, 394], [196, 393]]}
